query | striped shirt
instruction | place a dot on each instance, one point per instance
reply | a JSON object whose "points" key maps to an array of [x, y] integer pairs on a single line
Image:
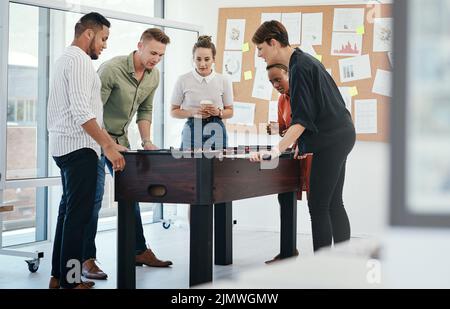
{"points": [[74, 99]]}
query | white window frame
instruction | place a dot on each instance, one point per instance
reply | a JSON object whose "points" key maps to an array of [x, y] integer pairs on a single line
{"points": [[4, 51]]}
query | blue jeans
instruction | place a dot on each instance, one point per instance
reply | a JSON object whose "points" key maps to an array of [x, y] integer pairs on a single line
{"points": [[204, 133], [90, 250], [78, 177]]}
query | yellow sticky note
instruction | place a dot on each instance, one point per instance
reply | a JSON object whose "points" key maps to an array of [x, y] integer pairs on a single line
{"points": [[248, 75], [361, 30], [245, 47], [353, 91], [318, 57]]}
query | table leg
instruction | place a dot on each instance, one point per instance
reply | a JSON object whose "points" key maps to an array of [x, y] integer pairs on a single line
{"points": [[126, 245], [288, 209], [200, 263], [223, 234]]}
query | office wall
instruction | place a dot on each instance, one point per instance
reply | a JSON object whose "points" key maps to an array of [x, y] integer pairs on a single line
{"points": [[366, 188]]}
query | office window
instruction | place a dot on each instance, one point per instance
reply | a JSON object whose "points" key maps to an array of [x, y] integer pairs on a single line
{"points": [[123, 39], [428, 116], [420, 148], [27, 66], [138, 7], [37, 36], [23, 97], [21, 111], [28, 222], [179, 52]]}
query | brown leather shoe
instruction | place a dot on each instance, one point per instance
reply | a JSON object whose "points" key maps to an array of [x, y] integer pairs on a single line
{"points": [[83, 286], [148, 258], [277, 258], [92, 271], [54, 283]]}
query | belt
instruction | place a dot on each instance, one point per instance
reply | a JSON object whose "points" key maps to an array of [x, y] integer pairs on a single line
{"points": [[205, 120]]}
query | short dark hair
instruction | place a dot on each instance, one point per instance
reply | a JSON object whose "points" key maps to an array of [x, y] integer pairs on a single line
{"points": [[93, 20], [205, 41], [271, 30], [155, 34], [279, 66]]}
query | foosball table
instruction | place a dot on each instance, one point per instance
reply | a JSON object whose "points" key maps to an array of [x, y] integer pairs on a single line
{"points": [[209, 181]]}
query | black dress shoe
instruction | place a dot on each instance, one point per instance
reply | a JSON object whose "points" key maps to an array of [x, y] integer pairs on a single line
{"points": [[277, 258]]}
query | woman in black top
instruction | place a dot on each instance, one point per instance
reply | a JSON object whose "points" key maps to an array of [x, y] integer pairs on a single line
{"points": [[321, 124]]}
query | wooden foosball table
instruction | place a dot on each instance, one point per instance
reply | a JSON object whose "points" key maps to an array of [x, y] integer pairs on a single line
{"points": [[209, 182]]}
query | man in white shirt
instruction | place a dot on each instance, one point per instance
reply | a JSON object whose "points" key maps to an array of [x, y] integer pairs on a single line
{"points": [[75, 120]]}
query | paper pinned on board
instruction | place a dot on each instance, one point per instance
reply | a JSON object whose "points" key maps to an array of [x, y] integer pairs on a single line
{"points": [[355, 68], [262, 88], [248, 75], [245, 47], [232, 65], [270, 16], [235, 32], [361, 30], [312, 28], [382, 84], [308, 48], [366, 118], [382, 35], [346, 44], [345, 92], [348, 20], [244, 114], [293, 24], [273, 111], [259, 62]]}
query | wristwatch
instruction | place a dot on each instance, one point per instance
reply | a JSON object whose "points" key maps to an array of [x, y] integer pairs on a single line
{"points": [[145, 142]]}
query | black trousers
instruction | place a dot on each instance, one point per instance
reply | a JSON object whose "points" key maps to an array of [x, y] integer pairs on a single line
{"points": [[329, 219], [78, 177], [90, 249]]}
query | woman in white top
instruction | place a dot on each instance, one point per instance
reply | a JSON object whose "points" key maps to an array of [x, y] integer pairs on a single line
{"points": [[204, 98]]}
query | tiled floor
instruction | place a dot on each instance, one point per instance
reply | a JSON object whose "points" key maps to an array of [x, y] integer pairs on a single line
{"points": [[250, 250]]}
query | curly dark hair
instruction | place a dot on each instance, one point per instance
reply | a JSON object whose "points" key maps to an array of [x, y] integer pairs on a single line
{"points": [[93, 20]]}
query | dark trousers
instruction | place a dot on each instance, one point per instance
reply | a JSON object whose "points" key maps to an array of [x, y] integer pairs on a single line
{"points": [[284, 199], [78, 177], [90, 250], [329, 219]]}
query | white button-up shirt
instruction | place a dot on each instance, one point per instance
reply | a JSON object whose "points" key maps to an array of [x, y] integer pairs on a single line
{"points": [[191, 88], [74, 99]]}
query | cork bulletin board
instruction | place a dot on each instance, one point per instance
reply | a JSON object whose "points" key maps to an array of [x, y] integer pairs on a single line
{"points": [[364, 87]]}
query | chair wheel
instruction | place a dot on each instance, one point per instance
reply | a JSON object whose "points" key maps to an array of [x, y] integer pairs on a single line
{"points": [[33, 265]]}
